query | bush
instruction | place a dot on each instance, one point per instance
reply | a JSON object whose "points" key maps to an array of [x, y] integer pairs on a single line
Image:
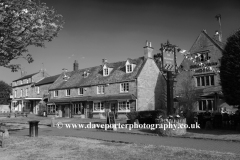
{"points": [[132, 115], [148, 117]]}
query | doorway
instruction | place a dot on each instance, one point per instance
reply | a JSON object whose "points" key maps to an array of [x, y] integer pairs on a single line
{"points": [[113, 107]]}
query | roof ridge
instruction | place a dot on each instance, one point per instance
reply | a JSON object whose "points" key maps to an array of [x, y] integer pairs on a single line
{"points": [[84, 69]]}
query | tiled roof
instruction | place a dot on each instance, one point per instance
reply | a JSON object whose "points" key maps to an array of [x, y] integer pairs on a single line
{"points": [[25, 77], [216, 42], [96, 77], [47, 80]]}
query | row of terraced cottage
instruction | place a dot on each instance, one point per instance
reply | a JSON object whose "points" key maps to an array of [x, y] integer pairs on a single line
{"points": [[130, 85], [120, 87]]}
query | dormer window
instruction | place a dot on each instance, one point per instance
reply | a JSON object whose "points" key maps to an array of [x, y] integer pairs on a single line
{"points": [[85, 74], [105, 72], [129, 68]]}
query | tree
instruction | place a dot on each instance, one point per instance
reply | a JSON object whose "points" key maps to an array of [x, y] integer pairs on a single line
{"points": [[5, 91], [187, 95], [230, 70], [25, 23]]}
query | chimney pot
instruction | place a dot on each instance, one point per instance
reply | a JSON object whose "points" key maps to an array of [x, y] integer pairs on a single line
{"points": [[75, 65], [104, 61]]}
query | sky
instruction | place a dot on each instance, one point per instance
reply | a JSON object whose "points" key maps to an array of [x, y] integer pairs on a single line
{"points": [[118, 29]]}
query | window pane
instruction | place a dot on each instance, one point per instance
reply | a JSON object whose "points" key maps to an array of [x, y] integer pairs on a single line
{"points": [[203, 81], [200, 105], [204, 105], [198, 81], [207, 81], [212, 79], [209, 104]]}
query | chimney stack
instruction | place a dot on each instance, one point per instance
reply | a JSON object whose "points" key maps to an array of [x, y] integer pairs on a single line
{"points": [[218, 17], [104, 61], [148, 49], [217, 36], [75, 65]]}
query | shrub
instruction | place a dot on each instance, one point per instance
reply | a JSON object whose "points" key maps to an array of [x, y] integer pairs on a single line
{"points": [[132, 115], [148, 117]]}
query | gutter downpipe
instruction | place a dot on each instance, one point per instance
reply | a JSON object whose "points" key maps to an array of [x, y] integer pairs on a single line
{"points": [[137, 95]]}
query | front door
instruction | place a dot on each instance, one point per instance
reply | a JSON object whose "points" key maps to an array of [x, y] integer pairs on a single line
{"points": [[66, 111], [114, 109]]}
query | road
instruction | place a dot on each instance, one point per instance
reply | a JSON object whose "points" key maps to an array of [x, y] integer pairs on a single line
{"points": [[199, 144]]}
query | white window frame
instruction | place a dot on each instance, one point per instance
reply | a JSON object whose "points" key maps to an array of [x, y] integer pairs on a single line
{"points": [[26, 91], [38, 90], [20, 82], [21, 93], [66, 91], [105, 71], [124, 87], [80, 91], [101, 89], [129, 68], [15, 93], [79, 107], [101, 107], [54, 93], [121, 105], [26, 80]]}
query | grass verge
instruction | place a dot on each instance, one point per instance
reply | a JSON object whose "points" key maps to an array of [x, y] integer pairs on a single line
{"points": [[54, 147]]}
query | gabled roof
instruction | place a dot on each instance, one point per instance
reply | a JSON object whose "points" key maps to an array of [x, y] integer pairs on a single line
{"points": [[217, 43], [95, 77], [47, 80], [25, 77]]}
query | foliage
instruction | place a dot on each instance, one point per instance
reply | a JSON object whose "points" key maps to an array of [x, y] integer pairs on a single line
{"points": [[5, 91], [188, 95], [132, 115], [25, 23], [229, 70], [147, 117], [42, 107]]}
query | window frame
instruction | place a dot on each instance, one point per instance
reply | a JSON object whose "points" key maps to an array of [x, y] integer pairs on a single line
{"points": [[127, 106], [80, 91], [102, 106], [21, 93], [129, 68], [15, 93], [38, 90], [105, 71], [26, 92], [68, 92], [124, 87], [55, 93], [101, 89], [205, 81]]}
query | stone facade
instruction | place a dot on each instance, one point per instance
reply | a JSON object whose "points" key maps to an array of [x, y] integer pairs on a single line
{"points": [[150, 87], [25, 96], [131, 85], [205, 80]]}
